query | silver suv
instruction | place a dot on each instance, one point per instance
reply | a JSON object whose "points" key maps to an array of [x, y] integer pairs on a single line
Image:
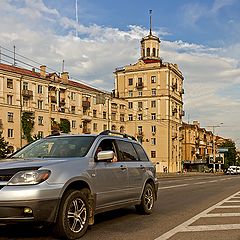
{"points": [[67, 179]]}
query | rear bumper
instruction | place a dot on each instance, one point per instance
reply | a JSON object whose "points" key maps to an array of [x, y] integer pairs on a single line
{"points": [[42, 211]]}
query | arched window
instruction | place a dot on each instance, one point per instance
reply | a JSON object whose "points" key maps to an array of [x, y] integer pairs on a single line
{"points": [[143, 53], [154, 52], [148, 52], [122, 129], [114, 128]]}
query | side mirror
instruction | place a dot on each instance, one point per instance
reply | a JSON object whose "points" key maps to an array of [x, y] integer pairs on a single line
{"points": [[105, 156]]}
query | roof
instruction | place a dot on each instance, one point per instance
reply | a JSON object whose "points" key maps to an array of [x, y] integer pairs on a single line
{"points": [[32, 73]]}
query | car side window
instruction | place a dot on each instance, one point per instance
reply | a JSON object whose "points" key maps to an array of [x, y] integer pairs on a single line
{"points": [[141, 153], [126, 151], [106, 145]]}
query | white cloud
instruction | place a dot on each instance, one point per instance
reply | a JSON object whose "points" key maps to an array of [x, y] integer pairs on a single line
{"points": [[211, 74]]}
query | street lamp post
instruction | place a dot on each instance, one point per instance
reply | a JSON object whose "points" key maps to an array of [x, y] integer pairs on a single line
{"points": [[214, 147]]}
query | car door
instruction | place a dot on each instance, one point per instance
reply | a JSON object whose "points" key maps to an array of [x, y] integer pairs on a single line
{"points": [[136, 169], [111, 178]]}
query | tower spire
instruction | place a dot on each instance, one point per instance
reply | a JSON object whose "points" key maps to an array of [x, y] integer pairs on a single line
{"points": [[150, 13]]}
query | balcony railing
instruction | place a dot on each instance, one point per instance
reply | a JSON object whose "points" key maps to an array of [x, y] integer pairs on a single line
{"points": [[27, 93], [86, 118], [139, 85], [87, 130]]}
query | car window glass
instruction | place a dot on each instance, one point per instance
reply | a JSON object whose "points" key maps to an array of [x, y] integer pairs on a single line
{"points": [[126, 151], [106, 145], [141, 153]]}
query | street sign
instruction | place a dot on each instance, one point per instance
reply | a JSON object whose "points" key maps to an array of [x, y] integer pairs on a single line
{"points": [[222, 150]]}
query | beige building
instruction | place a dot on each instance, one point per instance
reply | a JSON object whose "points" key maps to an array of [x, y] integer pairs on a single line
{"points": [[197, 145], [47, 99], [153, 90]]}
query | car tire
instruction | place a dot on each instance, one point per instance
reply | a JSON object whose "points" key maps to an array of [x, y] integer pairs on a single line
{"points": [[147, 200], [73, 215]]}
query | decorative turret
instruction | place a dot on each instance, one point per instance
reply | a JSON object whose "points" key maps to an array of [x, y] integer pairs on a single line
{"points": [[150, 45]]}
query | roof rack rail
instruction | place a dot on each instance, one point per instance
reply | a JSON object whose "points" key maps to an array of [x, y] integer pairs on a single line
{"points": [[124, 135]]}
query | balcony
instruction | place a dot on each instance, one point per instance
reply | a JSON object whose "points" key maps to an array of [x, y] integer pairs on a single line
{"points": [[86, 118], [85, 104], [139, 85], [62, 101], [27, 93], [53, 99]]}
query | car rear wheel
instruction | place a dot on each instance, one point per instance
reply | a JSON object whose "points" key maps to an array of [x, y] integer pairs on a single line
{"points": [[147, 200], [73, 215]]}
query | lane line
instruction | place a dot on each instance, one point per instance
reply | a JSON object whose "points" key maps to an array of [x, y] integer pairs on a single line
{"points": [[202, 228], [174, 186], [222, 215], [184, 225]]}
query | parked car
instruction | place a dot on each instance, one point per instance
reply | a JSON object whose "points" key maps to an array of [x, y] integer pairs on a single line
{"points": [[233, 170], [67, 179]]}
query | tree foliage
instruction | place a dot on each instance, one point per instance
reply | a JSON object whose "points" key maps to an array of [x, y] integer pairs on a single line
{"points": [[231, 154], [27, 125], [4, 150], [64, 125]]}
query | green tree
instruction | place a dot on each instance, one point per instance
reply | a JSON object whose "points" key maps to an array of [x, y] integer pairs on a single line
{"points": [[64, 125], [27, 125], [4, 150], [231, 154]]}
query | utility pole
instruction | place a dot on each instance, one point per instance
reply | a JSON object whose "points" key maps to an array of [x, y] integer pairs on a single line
{"points": [[214, 146]]}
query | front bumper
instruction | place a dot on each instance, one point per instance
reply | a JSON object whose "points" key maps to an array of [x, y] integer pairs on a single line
{"points": [[40, 211], [33, 203]]}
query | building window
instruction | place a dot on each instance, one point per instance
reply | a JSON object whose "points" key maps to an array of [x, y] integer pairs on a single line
{"points": [[121, 117], [104, 115], [130, 93], [139, 93], [154, 92], [72, 96], [104, 127], [140, 81], [94, 113], [9, 99], [40, 89], [73, 124], [153, 141], [25, 86], [154, 52], [153, 154], [153, 104], [130, 105], [53, 107], [122, 106], [10, 133], [153, 116], [140, 117], [140, 105], [10, 117], [140, 130], [10, 83], [25, 103], [130, 81], [40, 134], [153, 79], [153, 129], [40, 120], [113, 116], [95, 127], [148, 52], [73, 109], [40, 104], [130, 117]]}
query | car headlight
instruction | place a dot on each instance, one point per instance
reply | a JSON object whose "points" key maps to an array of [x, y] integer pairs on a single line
{"points": [[29, 177]]}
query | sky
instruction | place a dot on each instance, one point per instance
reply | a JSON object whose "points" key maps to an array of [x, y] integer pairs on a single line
{"points": [[201, 36]]}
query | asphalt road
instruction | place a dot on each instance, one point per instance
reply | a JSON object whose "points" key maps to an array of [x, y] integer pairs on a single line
{"points": [[193, 207]]}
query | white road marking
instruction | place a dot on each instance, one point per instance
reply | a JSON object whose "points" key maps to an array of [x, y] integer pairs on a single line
{"points": [[174, 186], [222, 215], [185, 226]]}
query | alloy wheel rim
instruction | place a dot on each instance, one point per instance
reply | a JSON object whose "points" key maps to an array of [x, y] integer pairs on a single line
{"points": [[77, 215], [149, 199]]}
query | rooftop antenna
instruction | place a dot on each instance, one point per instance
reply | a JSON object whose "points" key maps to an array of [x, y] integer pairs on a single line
{"points": [[63, 65], [150, 13], [76, 8]]}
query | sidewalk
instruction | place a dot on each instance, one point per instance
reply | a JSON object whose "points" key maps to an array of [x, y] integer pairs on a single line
{"points": [[187, 174]]}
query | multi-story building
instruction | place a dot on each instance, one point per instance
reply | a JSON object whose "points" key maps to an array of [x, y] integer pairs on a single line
{"points": [[197, 145], [47, 99], [153, 90]]}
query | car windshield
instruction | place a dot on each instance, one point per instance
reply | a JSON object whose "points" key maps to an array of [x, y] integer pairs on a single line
{"points": [[57, 147]]}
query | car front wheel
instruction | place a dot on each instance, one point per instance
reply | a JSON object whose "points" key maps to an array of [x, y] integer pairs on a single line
{"points": [[73, 216], [147, 200]]}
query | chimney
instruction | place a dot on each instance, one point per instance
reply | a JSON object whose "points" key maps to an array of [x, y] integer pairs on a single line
{"points": [[64, 77], [43, 71]]}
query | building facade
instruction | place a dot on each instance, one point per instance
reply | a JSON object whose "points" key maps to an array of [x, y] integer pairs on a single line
{"points": [[153, 91], [47, 99]]}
